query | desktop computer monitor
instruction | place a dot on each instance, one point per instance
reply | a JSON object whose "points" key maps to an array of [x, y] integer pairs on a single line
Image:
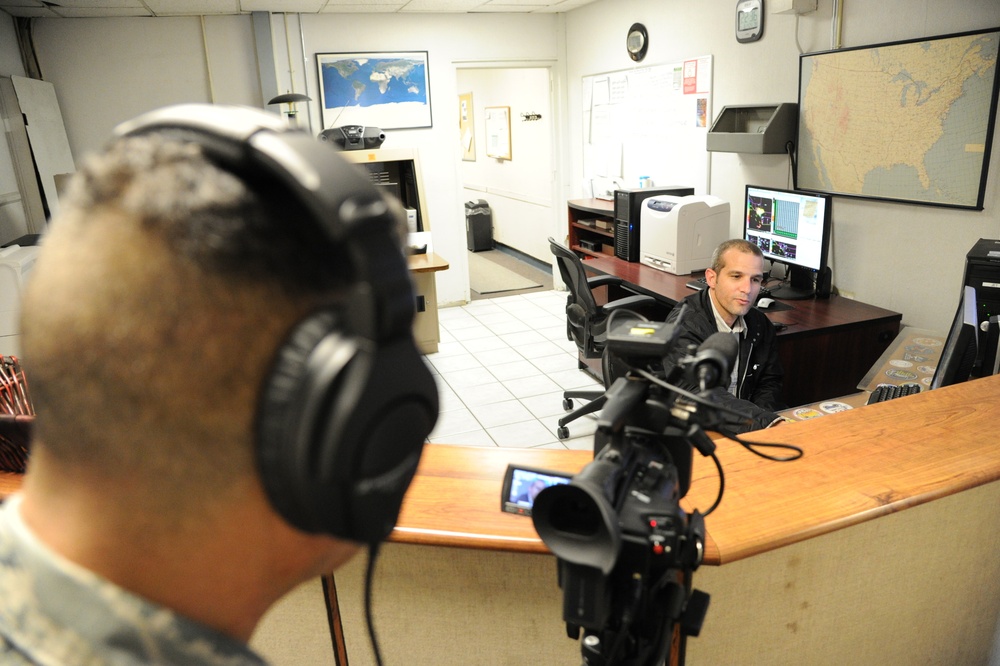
{"points": [[962, 344], [791, 228]]}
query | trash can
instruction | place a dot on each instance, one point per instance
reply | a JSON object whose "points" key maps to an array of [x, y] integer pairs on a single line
{"points": [[478, 225]]}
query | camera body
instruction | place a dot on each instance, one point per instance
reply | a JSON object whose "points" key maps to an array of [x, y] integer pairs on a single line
{"points": [[625, 547]]}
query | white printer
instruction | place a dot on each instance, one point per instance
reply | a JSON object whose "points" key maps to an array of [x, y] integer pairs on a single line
{"points": [[16, 263], [679, 234]]}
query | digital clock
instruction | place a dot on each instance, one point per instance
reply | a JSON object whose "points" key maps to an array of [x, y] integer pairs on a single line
{"points": [[749, 20]]}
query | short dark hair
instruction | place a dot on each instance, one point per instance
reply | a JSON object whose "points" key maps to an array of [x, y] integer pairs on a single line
{"points": [[161, 292], [738, 244], [209, 215]]}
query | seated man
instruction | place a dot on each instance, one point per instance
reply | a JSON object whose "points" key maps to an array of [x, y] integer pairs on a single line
{"points": [[168, 293], [734, 280]]}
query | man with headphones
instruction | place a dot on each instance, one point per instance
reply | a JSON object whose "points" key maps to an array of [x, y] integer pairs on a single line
{"points": [[217, 336]]}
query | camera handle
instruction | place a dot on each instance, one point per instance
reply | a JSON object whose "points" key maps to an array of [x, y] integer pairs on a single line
{"points": [[623, 397]]}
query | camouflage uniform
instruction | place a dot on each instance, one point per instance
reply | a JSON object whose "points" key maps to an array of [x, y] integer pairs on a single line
{"points": [[56, 613]]}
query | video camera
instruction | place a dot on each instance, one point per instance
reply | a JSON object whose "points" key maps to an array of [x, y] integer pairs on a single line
{"points": [[626, 550]]}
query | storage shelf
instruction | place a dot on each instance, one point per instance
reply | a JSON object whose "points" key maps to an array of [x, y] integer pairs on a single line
{"points": [[579, 211]]}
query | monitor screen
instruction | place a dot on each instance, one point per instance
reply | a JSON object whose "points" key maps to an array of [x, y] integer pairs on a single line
{"points": [[961, 345], [790, 227]]}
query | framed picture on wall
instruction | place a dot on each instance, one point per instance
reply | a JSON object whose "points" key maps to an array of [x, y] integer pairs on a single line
{"points": [[386, 90], [467, 127], [498, 132]]}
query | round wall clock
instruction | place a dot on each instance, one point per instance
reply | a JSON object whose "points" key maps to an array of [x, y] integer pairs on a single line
{"points": [[637, 42]]}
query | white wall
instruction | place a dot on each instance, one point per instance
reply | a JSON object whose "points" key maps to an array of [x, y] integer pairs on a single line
{"points": [[10, 57], [903, 257], [451, 41], [108, 70]]}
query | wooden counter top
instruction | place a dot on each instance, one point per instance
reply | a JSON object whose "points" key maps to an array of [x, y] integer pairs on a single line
{"points": [[455, 498], [9, 483], [426, 263], [859, 465]]}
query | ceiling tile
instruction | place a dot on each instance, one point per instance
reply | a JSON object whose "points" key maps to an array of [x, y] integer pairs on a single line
{"points": [[109, 8], [193, 7], [59, 5], [443, 5], [100, 12], [29, 12], [283, 6]]}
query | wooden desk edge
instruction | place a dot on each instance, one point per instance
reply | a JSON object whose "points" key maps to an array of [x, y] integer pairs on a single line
{"points": [[974, 466], [821, 529], [10, 482], [426, 263]]}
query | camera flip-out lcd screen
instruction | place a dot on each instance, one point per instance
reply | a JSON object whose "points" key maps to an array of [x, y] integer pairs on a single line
{"points": [[521, 485]]}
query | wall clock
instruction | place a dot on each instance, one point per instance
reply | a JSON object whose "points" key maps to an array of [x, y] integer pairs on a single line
{"points": [[749, 20]]}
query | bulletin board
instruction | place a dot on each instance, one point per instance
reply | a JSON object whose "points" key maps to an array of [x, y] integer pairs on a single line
{"points": [[650, 121]]}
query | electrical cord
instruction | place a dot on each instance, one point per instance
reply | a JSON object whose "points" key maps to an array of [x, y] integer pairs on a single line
{"points": [[373, 551], [752, 447]]}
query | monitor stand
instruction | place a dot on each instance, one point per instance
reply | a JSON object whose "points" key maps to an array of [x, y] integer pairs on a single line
{"points": [[801, 285]]}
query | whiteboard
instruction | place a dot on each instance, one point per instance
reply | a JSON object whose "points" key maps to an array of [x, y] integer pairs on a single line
{"points": [[650, 121]]}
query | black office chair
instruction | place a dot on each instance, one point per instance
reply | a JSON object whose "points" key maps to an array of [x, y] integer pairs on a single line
{"points": [[587, 326]]}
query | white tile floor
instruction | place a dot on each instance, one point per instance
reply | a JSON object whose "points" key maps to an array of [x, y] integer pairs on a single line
{"points": [[501, 368]]}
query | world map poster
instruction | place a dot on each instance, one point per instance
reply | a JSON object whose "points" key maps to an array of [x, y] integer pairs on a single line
{"points": [[384, 90], [908, 121]]}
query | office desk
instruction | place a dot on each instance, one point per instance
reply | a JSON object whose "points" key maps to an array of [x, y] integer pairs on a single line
{"points": [[826, 347], [425, 323], [815, 561]]}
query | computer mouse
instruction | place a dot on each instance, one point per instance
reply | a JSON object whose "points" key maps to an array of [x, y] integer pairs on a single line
{"points": [[765, 303]]}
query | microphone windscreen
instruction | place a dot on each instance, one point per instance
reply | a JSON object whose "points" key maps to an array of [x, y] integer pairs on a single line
{"points": [[725, 344]]}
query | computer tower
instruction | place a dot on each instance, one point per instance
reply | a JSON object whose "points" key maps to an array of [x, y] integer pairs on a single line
{"points": [[982, 273], [628, 212]]}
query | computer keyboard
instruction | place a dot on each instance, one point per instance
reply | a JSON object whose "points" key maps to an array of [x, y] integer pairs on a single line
{"points": [[885, 392]]}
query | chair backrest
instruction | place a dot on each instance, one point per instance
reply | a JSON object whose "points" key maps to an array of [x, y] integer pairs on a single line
{"points": [[582, 311]]}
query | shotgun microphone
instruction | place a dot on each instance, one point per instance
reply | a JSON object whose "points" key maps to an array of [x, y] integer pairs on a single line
{"points": [[713, 362]]}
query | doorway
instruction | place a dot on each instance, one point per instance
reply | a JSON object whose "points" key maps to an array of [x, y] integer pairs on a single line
{"points": [[518, 186]]}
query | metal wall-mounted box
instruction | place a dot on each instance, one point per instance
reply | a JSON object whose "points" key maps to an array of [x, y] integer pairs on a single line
{"points": [[754, 128]]}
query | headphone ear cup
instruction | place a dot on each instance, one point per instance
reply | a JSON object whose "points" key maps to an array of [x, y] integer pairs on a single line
{"points": [[283, 438], [341, 426]]}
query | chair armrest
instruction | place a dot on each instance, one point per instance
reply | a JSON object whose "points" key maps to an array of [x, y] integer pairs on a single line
{"points": [[629, 302], [603, 280]]}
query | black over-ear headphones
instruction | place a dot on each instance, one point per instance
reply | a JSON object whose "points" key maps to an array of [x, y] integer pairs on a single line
{"points": [[349, 402]]}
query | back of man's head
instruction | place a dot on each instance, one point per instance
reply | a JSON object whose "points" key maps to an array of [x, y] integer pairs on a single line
{"points": [[161, 291]]}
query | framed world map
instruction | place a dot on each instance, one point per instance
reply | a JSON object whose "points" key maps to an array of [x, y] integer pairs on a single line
{"points": [[384, 90], [908, 121]]}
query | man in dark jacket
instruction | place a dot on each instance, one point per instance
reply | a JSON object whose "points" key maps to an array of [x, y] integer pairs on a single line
{"points": [[734, 280]]}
